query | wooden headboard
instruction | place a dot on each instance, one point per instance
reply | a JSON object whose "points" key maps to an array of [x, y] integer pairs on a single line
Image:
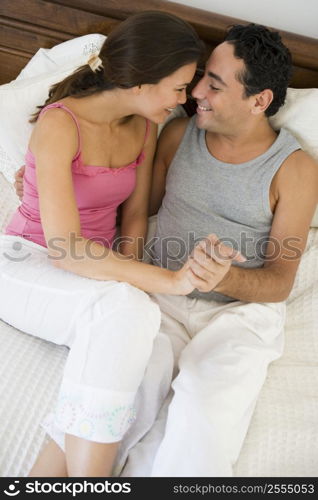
{"points": [[27, 25]]}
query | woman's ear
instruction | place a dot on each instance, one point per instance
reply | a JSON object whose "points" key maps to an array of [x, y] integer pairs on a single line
{"points": [[136, 89]]}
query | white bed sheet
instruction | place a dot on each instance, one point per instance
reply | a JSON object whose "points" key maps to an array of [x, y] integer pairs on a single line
{"points": [[282, 440]]}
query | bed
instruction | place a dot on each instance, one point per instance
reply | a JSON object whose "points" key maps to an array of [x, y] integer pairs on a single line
{"points": [[282, 440]]}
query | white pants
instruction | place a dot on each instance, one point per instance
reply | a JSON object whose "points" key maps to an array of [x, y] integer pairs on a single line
{"points": [[110, 328], [222, 353]]}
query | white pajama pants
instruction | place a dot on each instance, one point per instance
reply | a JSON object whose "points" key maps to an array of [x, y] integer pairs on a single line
{"points": [[110, 328], [222, 352]]}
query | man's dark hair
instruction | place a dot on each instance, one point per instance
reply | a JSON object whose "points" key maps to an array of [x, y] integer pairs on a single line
{"points": [[268, 63]]}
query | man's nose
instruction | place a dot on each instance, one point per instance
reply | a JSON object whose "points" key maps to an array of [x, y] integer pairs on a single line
{"points": [[198, 91]]}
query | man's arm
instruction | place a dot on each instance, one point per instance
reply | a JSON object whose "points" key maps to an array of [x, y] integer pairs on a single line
{"points": [[296, 185], [167, 146]]}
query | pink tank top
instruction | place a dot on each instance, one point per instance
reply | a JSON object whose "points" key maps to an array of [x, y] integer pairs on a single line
{"points": [[98, 192]]}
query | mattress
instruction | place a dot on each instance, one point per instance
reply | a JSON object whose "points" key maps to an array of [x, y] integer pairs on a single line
{"points": [[282, 440]]}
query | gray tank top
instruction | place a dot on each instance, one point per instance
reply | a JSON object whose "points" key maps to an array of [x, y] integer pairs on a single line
{"points": [[205, 195]]}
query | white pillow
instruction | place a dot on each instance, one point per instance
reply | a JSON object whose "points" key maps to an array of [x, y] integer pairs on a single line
{"points": [[299, 115], [8, 202], [19, 98], [73, 53]]}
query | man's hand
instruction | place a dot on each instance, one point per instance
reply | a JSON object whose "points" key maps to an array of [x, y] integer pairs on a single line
{"points": [[18, 184], [210, 261]]}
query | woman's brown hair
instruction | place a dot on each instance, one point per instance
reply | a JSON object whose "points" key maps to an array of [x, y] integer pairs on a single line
{"points": [[143, 49]]}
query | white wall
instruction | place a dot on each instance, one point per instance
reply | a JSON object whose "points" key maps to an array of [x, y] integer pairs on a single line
{"points": [[297, 16]]}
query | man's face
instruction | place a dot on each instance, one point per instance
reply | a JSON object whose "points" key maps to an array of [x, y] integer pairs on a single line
{"points": [[222, 105]]}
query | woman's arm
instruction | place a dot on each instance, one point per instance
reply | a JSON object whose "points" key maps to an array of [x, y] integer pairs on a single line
{"points": [[54, 143], [134, 215], [18, 182]]}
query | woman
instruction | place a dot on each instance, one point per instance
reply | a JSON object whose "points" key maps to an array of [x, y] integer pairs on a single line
{"points": [[91, 150]]}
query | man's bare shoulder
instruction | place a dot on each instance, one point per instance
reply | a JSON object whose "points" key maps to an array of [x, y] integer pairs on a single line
{"points": [[170, 138], [301, 156], [174, 130], [299, 169], [296, 182]]}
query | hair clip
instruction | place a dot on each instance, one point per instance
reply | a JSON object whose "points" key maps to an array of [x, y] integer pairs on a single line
{"points": [[95, 63]]}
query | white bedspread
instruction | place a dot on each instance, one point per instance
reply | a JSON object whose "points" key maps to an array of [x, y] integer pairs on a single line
{"points": [[282, 439]]}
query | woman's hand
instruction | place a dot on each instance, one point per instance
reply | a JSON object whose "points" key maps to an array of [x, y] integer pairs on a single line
{"points": [[18, 184], [182, 280]]}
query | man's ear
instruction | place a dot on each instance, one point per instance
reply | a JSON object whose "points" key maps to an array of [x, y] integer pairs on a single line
{"points": [[262, 101]]}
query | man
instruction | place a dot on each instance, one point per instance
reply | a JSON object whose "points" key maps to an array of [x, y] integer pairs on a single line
{"points": [[226, 171]]}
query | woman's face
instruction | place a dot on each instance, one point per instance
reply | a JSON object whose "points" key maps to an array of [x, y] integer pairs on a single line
{"points": [[158, 100]]}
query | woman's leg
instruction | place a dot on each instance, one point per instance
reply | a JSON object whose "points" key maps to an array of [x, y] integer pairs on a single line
{"points": [[110, 328], [51, 462], [149, 399], [83, 459], [89, 459]]}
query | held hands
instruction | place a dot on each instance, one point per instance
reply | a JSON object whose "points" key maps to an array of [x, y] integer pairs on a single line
{"points": [[18, 184], [208, 264]]}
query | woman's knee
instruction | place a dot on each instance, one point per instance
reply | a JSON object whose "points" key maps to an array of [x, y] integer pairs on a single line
{"points": [[136, 306], [122, 316]]}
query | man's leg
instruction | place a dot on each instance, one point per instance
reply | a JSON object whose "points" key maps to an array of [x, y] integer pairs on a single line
{"points": [[150, 396], [221, 374]]}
